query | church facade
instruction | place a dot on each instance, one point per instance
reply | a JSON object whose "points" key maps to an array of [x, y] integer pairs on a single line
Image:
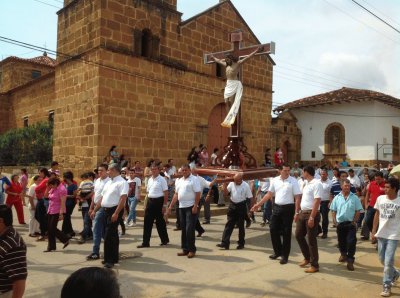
{"points": [[361, 126], [130, 73]]}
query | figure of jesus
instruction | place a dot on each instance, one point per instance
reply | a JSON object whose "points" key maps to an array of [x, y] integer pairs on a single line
{"points": [[233, 88]]}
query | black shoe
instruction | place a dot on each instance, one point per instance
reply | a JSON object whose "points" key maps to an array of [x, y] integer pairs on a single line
{"points": [[274, 257], [164, 243], [283, 261], [248, 224], [240, 247], [206, 222], [324, 236], [221, 245], [177, 229], [66, 244], [108, 265], [200, 234], [143, 245], [92, 257]]}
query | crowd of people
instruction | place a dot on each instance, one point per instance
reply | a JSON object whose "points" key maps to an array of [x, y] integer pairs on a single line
{"points": [[108, 196]]}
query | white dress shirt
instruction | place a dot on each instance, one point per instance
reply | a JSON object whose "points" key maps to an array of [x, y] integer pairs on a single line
{"points": [[326, 189], [156, 187], [98, 188], [186, 190], [239, 193], [311, 192], [113, 190], [284, 190]]}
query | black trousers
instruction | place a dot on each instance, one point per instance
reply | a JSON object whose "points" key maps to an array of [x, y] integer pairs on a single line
{"points": [[154, 212], [324, 210], [281, 225], [67, 224], [54, 232], [41, 216], [111, 239], [188, 222], [236, 214], [346, 232]]}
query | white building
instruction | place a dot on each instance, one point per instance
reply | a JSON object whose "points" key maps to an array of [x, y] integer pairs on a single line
{"points": [[359, 125]]}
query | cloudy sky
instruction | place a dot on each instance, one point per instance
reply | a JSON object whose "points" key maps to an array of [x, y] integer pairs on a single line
{"points": [[321, 45]]}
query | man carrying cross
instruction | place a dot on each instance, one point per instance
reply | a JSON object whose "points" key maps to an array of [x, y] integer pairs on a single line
{"points": [[233, 86]]}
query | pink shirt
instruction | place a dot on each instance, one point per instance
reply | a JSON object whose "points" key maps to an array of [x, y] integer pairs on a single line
{"points": [[55, 195]]}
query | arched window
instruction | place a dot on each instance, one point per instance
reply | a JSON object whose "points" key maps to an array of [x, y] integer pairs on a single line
{"points": [[335, 139]]}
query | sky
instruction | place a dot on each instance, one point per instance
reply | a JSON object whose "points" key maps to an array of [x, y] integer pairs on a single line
{"points": [[321, 45]]}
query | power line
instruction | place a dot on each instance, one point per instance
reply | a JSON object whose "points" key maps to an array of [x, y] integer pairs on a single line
{"points": [[350, 16], [370, 12], [48, 4], [374, 7], [311, 80]]}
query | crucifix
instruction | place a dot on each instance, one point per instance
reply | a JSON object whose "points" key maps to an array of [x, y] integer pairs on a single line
{"points": [[231, 59]]}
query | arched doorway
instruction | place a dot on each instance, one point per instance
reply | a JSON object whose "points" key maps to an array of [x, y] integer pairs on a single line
{"points": [[335, 139], [335, 143], [217, 135]]}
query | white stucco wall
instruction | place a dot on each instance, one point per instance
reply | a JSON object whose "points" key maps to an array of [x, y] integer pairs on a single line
{"points": [[362, 130]]}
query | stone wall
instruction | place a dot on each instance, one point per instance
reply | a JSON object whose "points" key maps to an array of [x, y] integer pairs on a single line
{"points": [[287, 136], [34, 101], [4, 113], [17, 72], [76, 115]]}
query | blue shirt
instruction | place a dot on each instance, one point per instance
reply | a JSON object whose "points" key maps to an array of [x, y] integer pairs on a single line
{"points": [[4, 180], [345, 209], [337, 189]]}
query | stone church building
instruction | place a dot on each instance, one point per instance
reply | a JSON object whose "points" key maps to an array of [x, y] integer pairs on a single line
{"points": [[130, 73]]}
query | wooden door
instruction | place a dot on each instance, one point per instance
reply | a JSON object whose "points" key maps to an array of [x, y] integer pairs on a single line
{"points": [[217, 135]]}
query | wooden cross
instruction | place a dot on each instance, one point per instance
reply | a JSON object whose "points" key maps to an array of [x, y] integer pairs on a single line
{"points": [[236, 39]]}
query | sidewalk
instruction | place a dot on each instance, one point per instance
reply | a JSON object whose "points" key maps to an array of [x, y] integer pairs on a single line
{"points": [[158, 272]]}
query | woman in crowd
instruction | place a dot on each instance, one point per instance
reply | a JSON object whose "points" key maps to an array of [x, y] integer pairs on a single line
{"points": [[203, 157], [114, 154], [23, 179], [70, 203], [33, 223], [15, 198], [57, 194]]}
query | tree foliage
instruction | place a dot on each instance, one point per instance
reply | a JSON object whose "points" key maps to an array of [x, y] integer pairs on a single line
{"points": [[32, 145]]}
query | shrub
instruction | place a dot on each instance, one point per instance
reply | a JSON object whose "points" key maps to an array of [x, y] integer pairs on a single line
{"points": [[27, 146]]}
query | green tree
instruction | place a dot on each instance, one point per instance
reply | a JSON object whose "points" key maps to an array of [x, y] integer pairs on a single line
{"points": [[28, 145]]}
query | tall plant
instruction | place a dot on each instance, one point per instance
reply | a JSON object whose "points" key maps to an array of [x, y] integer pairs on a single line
{"points": [[32, 145]]}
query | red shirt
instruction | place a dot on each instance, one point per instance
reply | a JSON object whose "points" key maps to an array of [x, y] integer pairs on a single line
{"points": [[15, 188], [41, 189], [375, 191]]}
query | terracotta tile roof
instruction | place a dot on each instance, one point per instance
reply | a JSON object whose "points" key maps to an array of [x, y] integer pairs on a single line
{"points": [[340, 96], [42, 60]]}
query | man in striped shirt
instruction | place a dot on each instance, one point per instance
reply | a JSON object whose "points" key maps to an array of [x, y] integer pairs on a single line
{"points": [[13, 271]]}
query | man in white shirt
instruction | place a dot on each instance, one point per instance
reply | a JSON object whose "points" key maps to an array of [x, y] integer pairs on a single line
{"points": [[157, 190], [188, 193], [307, 220], [325, 200], [239, 191], [134, 183], [387, 217], [354, 179], [99, 216], [287, 192], [112, 200]]}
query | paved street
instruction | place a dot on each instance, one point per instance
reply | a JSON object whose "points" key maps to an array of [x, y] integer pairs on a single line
{"points": [[158, 272]]}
